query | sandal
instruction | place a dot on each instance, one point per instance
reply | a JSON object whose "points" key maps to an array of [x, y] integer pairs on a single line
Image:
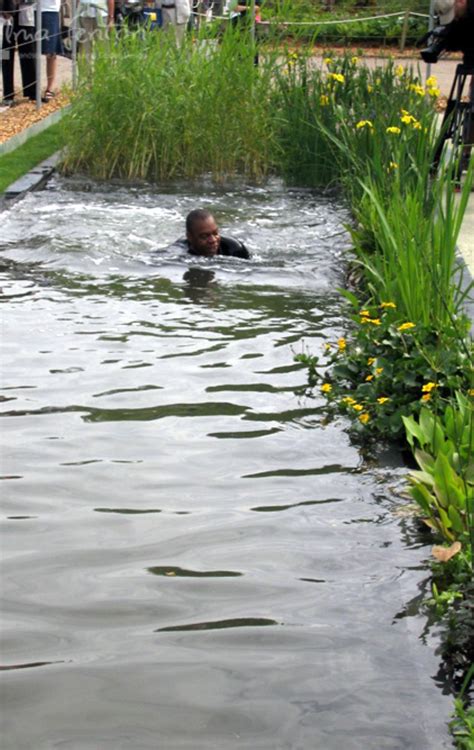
{"points": [[48, 95]]}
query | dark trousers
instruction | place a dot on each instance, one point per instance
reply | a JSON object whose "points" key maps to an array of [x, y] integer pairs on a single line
{"points": [[22, 37]]}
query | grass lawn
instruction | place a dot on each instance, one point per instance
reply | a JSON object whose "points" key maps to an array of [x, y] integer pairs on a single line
{"points": [[18, 162]]}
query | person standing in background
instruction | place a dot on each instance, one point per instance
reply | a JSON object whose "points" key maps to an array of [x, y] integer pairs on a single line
{"points": [[18, 31], [94, 18], [176, 13], [50, 43], [241, 18]]}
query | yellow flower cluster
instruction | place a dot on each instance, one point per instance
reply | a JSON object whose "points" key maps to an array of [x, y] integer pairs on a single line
{"points": [[406, 326], [326, 388], [417, 89], [427, 390], [341, 344], [324, 100], [363, 416], [378, 370], [388, 305], [337, 77], [432, 87], [372, 321], [408, 119], [394, 129], [365, 124], [348, 400]]}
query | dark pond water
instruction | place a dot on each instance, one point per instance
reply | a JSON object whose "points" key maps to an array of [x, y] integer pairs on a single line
{"points": [[191, 557]]}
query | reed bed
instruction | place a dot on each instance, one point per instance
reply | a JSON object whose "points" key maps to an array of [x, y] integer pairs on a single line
{"points": [[148, 109]]}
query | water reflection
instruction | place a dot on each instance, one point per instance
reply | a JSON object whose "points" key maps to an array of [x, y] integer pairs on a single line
{"points": [[239, 622], [199, 285], [167, 570], [166, 471]]}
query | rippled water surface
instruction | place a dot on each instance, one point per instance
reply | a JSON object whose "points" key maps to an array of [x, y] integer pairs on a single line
{"points": [[192, 558]]}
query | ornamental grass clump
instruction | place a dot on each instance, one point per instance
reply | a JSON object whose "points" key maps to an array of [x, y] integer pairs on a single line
{"points": [[147, 109], [303, 102], [405, 244]]}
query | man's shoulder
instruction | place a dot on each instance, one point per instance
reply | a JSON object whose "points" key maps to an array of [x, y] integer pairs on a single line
{"points": [[235, 248]]}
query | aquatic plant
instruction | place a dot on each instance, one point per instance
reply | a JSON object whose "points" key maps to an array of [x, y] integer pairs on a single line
{"points": [[388, 367], [411, 258], [443, 487], [462, 725], [148, 109], [340, 123]]}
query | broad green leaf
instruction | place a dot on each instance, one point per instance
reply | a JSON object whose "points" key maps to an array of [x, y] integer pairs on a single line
{"points": [[413, 430], [447, 483], [426, 424], [469, 472], [421, 476], [424, 460], [456, 520], [424, 498], [449, 420], [445, 524], [431, 427]]}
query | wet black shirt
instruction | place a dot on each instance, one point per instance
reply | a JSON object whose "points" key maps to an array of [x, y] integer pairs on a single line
{"points": [[228, 246]]}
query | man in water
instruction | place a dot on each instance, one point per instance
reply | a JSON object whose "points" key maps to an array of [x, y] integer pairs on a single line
{"points": [[203, 237]]}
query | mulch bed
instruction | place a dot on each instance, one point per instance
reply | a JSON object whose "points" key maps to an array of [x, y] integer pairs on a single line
{"points": [[20, 116]]}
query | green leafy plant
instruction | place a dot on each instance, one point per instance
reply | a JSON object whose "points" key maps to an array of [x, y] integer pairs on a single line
{"points": [[462, 725], [443, 487], [387, 369]]}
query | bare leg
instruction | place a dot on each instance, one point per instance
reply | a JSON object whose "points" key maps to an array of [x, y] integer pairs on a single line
{"points": [[51, 65]]}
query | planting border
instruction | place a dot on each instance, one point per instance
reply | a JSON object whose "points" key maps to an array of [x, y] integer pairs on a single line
{"points": [[20, 138]]}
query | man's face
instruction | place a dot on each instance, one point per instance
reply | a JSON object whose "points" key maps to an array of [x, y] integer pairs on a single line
{"points": [[204, 237]]}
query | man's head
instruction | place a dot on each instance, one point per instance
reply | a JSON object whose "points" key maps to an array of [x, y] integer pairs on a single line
{"points": [[202, 232]]}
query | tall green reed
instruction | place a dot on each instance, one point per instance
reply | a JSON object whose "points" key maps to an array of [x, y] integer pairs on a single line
{"points": [[412, 258], [147, 109]]}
